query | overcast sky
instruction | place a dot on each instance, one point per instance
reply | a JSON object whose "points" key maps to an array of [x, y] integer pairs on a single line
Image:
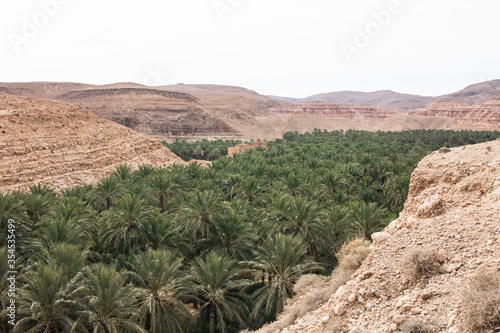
{"points": [[283, 47]]}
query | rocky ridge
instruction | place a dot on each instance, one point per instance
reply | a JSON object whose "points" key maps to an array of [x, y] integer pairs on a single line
{"points": [[484, 116], [452, 209], [345, 110], [61, 146]]}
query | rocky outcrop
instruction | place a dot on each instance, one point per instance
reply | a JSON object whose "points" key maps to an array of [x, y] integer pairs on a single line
{"points": [[50, 143], [452, 212], [485, 116], [151, 111], [323, 109]]}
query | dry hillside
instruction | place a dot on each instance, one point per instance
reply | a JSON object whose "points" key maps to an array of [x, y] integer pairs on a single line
{"points": [[477, 93], [423, 263], [383, 98], [485, 116], [46, 142]]}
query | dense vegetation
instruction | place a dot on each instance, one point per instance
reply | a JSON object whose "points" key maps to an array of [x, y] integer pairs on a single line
{"points": [[195, 250], [200, 150]]}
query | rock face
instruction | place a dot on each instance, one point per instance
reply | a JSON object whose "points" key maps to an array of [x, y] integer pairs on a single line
{"points": [[485, 116], [452, 209], [151, 111], [50, 143], [323, 109]]}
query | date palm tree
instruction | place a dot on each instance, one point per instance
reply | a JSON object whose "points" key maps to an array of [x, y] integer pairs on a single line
{"points": [[109, 302], [216, 281], [280, 262], [105, 193], [198, 214], [248, 189], [156, 273], [122, 172], [124, 223], [163, 188], [330, 183], [235, 235], [48, 302], [302, 219], [367, 218]]}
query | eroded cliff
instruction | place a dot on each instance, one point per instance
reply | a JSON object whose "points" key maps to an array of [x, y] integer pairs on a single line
{"points": [[50, 143]]}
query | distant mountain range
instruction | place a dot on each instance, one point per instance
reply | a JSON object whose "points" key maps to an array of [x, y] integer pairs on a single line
{"points": [[195, 111], [474, 94]]}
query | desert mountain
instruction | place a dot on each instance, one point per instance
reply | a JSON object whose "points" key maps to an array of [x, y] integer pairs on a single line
{"points": [[62, 146], [482, 116], [448, 233], [475, 93], [383, 99]]}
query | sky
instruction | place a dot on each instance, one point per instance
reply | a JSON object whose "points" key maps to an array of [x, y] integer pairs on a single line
{"points": [[293, 48]]}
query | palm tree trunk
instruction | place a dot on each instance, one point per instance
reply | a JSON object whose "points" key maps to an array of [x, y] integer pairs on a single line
{"points": [[161, 204], [212, 319]]}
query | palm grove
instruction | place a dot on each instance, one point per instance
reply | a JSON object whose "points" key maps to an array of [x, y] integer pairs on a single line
{"points": [[186, 249]]}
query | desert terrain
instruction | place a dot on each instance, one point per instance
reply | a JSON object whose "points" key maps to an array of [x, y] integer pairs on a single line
{"points": [[196, 111]]}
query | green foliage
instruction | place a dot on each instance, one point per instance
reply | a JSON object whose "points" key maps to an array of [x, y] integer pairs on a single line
{"points": [[130, 253]]}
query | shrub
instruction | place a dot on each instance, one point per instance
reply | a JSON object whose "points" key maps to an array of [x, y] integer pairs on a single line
{"points": [[481, 303], [315, 290], [421, 262], [307, 282], [352, 254]]}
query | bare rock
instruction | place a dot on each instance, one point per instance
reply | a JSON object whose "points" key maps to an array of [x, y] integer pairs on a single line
{"points": [[339, 309], [416, 311], [453, 267], [444, 150], [380, 236]]}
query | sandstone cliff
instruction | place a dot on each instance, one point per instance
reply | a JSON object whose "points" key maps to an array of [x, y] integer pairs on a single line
{"points": [[336, 110], [50, 143], [452, 210], [485, 116]]}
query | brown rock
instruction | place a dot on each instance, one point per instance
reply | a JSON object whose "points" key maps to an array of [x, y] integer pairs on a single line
{"points": [[400, 319]]}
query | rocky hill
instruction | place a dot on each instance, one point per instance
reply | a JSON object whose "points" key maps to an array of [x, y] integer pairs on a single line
{"points": [[475, 93], [485, 116], [154, 112], [425, 266], [386, 99], [348, 111], [50, 143]]}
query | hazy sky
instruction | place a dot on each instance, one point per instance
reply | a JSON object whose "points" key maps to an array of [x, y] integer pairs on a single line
{"points": [[283, 47]]}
